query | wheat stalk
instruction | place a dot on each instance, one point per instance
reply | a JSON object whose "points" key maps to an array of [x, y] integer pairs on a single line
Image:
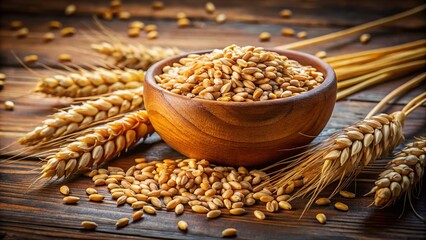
{"points": [[354, 30], [134, 56], [343, 155], [83, 83], [97, 145], [79, 117], [404, 172]]}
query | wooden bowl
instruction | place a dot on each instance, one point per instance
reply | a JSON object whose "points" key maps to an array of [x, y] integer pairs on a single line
{"points": [[240, 133]]}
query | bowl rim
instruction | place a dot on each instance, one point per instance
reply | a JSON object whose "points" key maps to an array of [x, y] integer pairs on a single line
{"points": [[329, 80]]}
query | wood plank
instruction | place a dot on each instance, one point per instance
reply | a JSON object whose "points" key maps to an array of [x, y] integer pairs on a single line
{"points": [[314, 13], [37, 212]]}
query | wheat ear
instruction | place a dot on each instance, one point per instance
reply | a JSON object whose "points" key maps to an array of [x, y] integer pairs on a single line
{"points": [[97, 146], [343, 155], [83, 83], [134, 56], [79, 117], [403, 174]]}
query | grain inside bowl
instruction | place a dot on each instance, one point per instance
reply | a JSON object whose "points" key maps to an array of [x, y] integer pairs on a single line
{"points": [[239, 74]]}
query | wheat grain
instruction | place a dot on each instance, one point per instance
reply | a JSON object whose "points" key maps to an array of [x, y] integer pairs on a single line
{"points": [[341, 206], [134, 56], [88, 83], [97, 146], [321, 218], [229, 232], [65, 190], [89, 225], [182, 225], [122, 222], [79, 117], [9, 105], [344, 155], [403, 174], [238, 74], [16, 24]]}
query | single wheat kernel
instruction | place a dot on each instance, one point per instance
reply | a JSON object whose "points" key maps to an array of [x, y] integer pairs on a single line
{"points": [[199, 209], [2, 76], [65, 58], [48, 37], [214, 214], [107, 15], [321, 54], [264, 36], [96, 197], [55, 25], [121, 200], [133, 32], [16, 25], [229, 232], [137, 24], [180, 15], [121, 222], [22, 32], [150, 28], [67, 32], [302, 34], [286, 13], [115, 3], [266, 198], [140, 160], [136, 216], [179, 209], [210, 7], [124, 15], [322, 201], [31, 58], [285, 205], [259, 214], [70, 9], [287, 32], [221, 18], [152, 35], [321, 218], [182, 225], [347, 194], [9, 105], [365, 38], [149, 210], [237, 211], [70, 199], [173, 203], [89, 225], [64, 189], [341, 206], [91, 191], [157, 5], [183, 22], [99, 182]]}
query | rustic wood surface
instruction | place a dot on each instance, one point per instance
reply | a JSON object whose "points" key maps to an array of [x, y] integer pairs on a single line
{"points": [[38, 212]]}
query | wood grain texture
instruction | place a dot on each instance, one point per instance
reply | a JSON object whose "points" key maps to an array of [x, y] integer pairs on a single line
{"points": [[38, 213]]}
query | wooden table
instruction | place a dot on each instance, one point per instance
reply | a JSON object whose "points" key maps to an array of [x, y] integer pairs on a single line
{"points": [[38, 213]]}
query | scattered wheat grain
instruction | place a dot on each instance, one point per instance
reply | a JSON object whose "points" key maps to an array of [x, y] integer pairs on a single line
{"points": [[229, 232], [122, 222], [89, 225], [9, 105], [65, 190], [341, 206], [321, 218], [286, 13], [70, 199], [70, 9]]}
